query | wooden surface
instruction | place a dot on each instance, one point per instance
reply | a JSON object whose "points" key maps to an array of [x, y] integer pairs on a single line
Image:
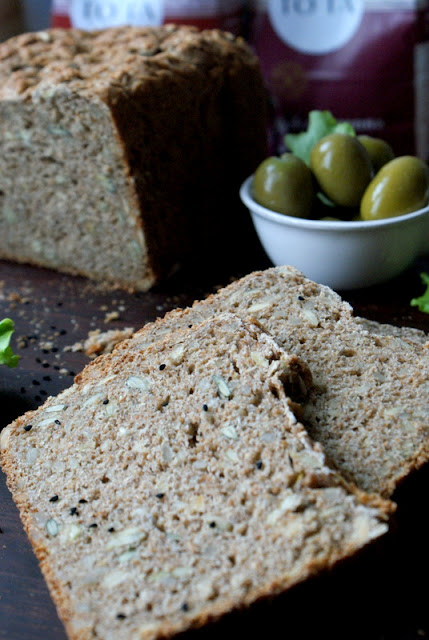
{"points": [[385, 597]]}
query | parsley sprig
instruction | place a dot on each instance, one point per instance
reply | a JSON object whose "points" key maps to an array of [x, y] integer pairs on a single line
{"points": [[422, 302], [7, 356]]}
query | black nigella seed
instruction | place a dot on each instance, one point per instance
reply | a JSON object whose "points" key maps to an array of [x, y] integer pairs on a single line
{"points": [[53, 499], [54, 349], [28, 427], [47, 378], [205, 407], [59, 304], [259, 464], [46, 365], [1, 530], [301, 298], [160, 495], [121, 616], [185, 606], [189, 326], [23, 390], [111, 529], [161, 367], [74, 511], [57, 422], [83, 501], [43, 392], [37, 398], [212, 524], [93, 525], [106, 401], [38, 360], [36, 383], [63, 332]]}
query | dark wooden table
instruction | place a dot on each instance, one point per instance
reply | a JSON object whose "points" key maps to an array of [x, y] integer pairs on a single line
{"points": [[385, 597]]}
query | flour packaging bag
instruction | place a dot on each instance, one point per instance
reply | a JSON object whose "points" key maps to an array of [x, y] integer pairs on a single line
{"points": [[98, 14], [366, 61]]}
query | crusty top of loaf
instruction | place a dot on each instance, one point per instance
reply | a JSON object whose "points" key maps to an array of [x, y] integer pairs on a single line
{"points": [[107, 62], [171, 485]]}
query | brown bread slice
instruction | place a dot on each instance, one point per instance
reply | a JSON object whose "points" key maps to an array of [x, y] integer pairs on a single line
{"points": [[369, 405], [171, 485], [409, 334], [118, 148]]}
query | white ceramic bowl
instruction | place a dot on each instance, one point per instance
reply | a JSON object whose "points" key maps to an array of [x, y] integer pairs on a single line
{"points": [[342, 255]]}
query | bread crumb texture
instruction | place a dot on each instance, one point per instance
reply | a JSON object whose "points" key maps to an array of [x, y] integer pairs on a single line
{"points": [[369, 403], [117, 146], [172, 483]]}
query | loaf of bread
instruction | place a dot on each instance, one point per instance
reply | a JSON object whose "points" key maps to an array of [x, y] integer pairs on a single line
{"points": [[173, 484], [122, 150], [369, 405]]}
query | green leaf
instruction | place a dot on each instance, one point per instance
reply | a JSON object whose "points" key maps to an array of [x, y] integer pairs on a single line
{"points": [[423, 301], [320, 124], [7, 356]]}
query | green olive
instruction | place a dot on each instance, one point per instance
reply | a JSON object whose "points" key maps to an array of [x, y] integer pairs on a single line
{"points": [[400, 187], [379, 151], [342, 168], [285, 185]]}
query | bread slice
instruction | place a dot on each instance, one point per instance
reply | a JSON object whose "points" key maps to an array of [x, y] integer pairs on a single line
{"points": [[408, 334], [369, 405], [119, 148], [171, 485]]}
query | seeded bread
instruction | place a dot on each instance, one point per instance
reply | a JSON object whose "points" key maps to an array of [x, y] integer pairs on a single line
{"points": [[171, 485], [369, 404], [409, 334], [121, 149]]}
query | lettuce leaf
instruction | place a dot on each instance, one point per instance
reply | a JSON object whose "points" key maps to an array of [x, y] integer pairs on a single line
{"points": [[320, 124], [423, 301], [7, 356]]}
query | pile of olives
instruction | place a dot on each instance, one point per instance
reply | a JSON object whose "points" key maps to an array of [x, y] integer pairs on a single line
{"points": [[348, 178]]}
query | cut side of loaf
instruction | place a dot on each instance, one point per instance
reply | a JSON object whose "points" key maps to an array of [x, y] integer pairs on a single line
{"points": [[369, 404], [173, 484], [119, 147]]}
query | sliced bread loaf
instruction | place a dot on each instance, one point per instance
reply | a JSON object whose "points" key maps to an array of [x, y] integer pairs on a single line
{"points": [[118, 148], [369, 405], [171, 485]]}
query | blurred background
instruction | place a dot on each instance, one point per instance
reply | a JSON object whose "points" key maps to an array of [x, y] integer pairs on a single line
{"points": [[17, 16], [366, 61]]}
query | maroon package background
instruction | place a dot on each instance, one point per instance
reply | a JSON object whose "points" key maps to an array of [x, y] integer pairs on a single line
{"points": [[377, 79]]}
